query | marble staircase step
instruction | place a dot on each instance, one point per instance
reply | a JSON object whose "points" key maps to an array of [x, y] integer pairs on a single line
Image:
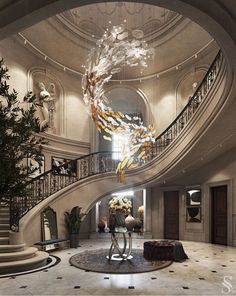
{"points": [[16, 256], [4, 216], [4, 219], [11, 248], [4, 226], [4, 208], [4, 233], [4, 212], [39, 260], [4, 240]]}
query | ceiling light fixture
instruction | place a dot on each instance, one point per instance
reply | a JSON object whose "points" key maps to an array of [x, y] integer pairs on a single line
{"points": [[114, 51]]}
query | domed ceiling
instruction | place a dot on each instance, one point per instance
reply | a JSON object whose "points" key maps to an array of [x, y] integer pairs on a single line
{"points": [[67, 38], [92, 20]]}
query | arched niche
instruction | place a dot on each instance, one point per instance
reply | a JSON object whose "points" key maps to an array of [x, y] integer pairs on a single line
{"points": [[128, 100], [37, 75], [188, 85]]}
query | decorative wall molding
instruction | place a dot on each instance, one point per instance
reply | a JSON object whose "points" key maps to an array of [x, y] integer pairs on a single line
{"points": [[65, 148], [63, 153], [66, 141]]}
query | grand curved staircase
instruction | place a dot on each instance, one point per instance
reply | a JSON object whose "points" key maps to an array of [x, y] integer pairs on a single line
{"points": [[96, 172]]}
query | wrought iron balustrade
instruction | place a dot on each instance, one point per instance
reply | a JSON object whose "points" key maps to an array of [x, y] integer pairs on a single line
{"points": [[175, 128], [51, 181]]}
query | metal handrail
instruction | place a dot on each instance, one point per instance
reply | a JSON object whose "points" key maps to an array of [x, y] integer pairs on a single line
{"points": [[174, 129], [50, 182]]}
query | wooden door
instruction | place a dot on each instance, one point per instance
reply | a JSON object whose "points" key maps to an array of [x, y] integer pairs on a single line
{"points": [[171, 215], [219, 215]]}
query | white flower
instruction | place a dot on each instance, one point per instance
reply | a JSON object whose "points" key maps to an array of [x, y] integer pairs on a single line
{"points": [[121, 203]]}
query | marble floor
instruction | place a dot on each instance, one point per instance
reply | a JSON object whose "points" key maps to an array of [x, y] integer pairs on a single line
{"points": [[210, 270]]}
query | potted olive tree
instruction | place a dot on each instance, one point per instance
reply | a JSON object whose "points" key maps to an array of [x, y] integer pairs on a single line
{"points": [[73, 221]]}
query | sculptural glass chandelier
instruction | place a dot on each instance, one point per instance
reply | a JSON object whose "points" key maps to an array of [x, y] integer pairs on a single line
{"points": [[115, 50]]}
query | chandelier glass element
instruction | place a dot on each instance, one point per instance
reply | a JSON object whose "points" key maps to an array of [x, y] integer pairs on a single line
{"points": [[115, 50]]}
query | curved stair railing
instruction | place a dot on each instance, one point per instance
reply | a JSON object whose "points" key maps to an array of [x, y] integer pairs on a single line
{"points": [[175, 128], [50, 182]]}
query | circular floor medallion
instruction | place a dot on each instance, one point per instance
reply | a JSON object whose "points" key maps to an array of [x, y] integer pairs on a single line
{"points": [[96, 260]]}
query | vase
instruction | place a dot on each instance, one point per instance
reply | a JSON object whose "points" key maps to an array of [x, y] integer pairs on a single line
{"points": [[120, 219], [138, 225], [130, 222]]}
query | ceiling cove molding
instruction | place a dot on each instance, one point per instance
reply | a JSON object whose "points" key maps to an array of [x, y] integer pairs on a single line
{"points": [[185, 62], [162, 35]]}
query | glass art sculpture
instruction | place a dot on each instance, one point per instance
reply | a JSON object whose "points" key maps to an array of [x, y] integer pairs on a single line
{"points": [[114, 51]]}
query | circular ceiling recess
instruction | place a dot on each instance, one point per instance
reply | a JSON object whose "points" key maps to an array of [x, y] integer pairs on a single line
{"points": [[67, 38], [90, 21]]}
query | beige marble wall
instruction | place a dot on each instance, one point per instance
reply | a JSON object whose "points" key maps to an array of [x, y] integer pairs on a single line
{"points": [[20, 61]]}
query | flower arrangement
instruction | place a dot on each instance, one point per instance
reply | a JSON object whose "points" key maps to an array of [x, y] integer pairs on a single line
{"points": [[120, 203]]}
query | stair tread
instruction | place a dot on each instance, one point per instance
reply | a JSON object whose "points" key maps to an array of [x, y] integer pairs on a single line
{"points": [[4, 226], [11, 248], [39, 256], [20, 255]]}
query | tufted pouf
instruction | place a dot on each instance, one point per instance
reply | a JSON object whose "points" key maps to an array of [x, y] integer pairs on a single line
{"points": [[164, 250], [158, 250]]}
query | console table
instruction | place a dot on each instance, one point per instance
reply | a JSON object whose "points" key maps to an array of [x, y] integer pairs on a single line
{"points": [[124, 252]]}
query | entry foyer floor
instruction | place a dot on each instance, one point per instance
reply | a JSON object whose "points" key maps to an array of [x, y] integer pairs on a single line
{"points": [[210, 270]]}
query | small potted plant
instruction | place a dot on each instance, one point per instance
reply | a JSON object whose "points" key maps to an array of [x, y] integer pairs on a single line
{"points": [[73, 221]]}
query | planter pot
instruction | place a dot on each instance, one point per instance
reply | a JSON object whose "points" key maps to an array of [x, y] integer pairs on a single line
{"points": [[74, 240]]}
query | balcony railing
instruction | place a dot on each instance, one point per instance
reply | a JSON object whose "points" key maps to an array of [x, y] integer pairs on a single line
{"points": [[52, 181]]}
